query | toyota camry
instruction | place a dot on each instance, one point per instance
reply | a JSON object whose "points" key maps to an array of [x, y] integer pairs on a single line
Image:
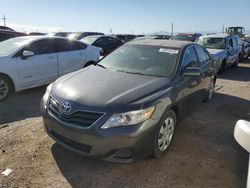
{"points": [[128, 105]]}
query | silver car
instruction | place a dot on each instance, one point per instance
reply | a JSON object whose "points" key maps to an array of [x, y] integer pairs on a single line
{"points": [[224, 48]]}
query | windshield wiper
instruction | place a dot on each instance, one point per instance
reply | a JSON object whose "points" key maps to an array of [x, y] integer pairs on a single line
{"points": [[133, 73], [100, 65]]}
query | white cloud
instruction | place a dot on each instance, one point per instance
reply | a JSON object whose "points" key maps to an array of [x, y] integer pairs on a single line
{"points": [[30, 28]]}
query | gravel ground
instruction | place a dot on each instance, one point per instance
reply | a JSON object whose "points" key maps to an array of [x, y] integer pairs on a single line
{"points": [[203, 154]]}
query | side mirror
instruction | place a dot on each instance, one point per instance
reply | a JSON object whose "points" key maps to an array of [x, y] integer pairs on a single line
{"points": [[191, 72], [242, 134], [27, 54]]}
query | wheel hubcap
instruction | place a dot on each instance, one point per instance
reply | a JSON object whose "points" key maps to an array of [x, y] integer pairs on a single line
{"points": [[3, 89], [166, 134]]}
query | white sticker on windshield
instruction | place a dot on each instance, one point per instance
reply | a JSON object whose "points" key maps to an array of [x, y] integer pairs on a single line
{"points": [[170, 51]]}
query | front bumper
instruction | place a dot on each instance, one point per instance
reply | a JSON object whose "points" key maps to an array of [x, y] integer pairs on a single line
{"points": [[120, 144]]}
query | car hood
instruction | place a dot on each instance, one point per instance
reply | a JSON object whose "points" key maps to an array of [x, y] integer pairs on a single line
{"points": [[217, 54], [99, 87]]}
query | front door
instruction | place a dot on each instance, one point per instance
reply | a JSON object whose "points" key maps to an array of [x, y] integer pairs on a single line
{"points": [[39, 69]]}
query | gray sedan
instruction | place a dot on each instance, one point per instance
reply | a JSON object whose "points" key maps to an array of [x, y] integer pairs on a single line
{"points": [[128, 105]]}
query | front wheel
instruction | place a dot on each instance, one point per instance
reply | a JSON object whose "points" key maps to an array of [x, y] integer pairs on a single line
{"points": [[210, 92], [236, 63], [164, 134], [4, 88]]}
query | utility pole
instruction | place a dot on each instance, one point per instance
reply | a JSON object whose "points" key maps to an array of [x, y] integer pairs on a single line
{"points": [[4, 20], [172, 30]]}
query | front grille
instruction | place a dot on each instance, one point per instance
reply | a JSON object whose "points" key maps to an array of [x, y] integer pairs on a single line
{"points": [[78, 118], [82, 147]]}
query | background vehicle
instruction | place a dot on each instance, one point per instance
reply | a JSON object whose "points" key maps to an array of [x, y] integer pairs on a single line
{"points": [[60, 34], [242, 136], [7, 34], [224, 48], [6, 28], [80, 35], [31, 61], [245, 50], [187, 36], [126, 37], [127, 106], [238, 30], [107, 43], [36, 33]]}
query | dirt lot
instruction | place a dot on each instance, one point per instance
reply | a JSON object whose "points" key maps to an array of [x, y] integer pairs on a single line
{"points": [[204, 152]]}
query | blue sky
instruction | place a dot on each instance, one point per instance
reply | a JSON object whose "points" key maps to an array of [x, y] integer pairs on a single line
{"points": [[125, 16]]}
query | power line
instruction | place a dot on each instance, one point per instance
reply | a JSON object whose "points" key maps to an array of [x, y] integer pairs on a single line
{"points": [[4, 20]]}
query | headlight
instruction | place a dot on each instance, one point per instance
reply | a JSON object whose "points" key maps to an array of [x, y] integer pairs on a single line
{"points": [[47, 92], [129, 118]]}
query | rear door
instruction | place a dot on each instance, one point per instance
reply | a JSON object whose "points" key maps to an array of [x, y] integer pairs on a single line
{"points": [[71, 55], [39, 69]]}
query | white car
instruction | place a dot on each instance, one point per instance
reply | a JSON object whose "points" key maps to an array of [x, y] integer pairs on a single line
{"points": [[242, 136], [32, 61]]}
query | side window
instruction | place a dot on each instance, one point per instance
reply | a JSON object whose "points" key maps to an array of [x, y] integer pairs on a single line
{"points": [[189, 58], [64, 45], [44, 46], [78, 45], [99, 42], [230, 42], [202, 55]]}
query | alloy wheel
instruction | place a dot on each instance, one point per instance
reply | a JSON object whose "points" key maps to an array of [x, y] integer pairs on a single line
{"points": [[166, 134]]}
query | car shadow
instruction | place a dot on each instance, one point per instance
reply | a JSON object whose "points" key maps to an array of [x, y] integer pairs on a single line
{"points": [[21, 105], [204, 147], [239, 74]]}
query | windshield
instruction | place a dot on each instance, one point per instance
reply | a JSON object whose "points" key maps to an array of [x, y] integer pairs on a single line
{"points": [[184, 37], [73, 36], [9, 46], [212, 43], [89, 40], [142, 59]]}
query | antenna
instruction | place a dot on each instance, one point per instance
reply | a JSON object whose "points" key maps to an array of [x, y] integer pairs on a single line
{"points": [[172, 30], [4, 20]]}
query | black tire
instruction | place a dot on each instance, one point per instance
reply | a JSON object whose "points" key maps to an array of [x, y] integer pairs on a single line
{"points": [[236, 63], [222, 67], [157, 152], [5, 88], [210, 92]]}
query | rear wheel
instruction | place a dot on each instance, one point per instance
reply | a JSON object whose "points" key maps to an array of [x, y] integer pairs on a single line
{"points": [[164, 134], [4, 88]]}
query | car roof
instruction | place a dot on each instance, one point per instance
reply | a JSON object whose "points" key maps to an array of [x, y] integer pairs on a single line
{"points": [[218, 35], [37, 37], [162, 42]]}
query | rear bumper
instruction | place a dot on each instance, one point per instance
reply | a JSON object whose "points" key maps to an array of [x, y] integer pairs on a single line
{"points": [[121, 144]]}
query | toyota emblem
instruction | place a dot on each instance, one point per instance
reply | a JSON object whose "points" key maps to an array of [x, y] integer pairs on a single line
{"points": [[66, 107]]}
